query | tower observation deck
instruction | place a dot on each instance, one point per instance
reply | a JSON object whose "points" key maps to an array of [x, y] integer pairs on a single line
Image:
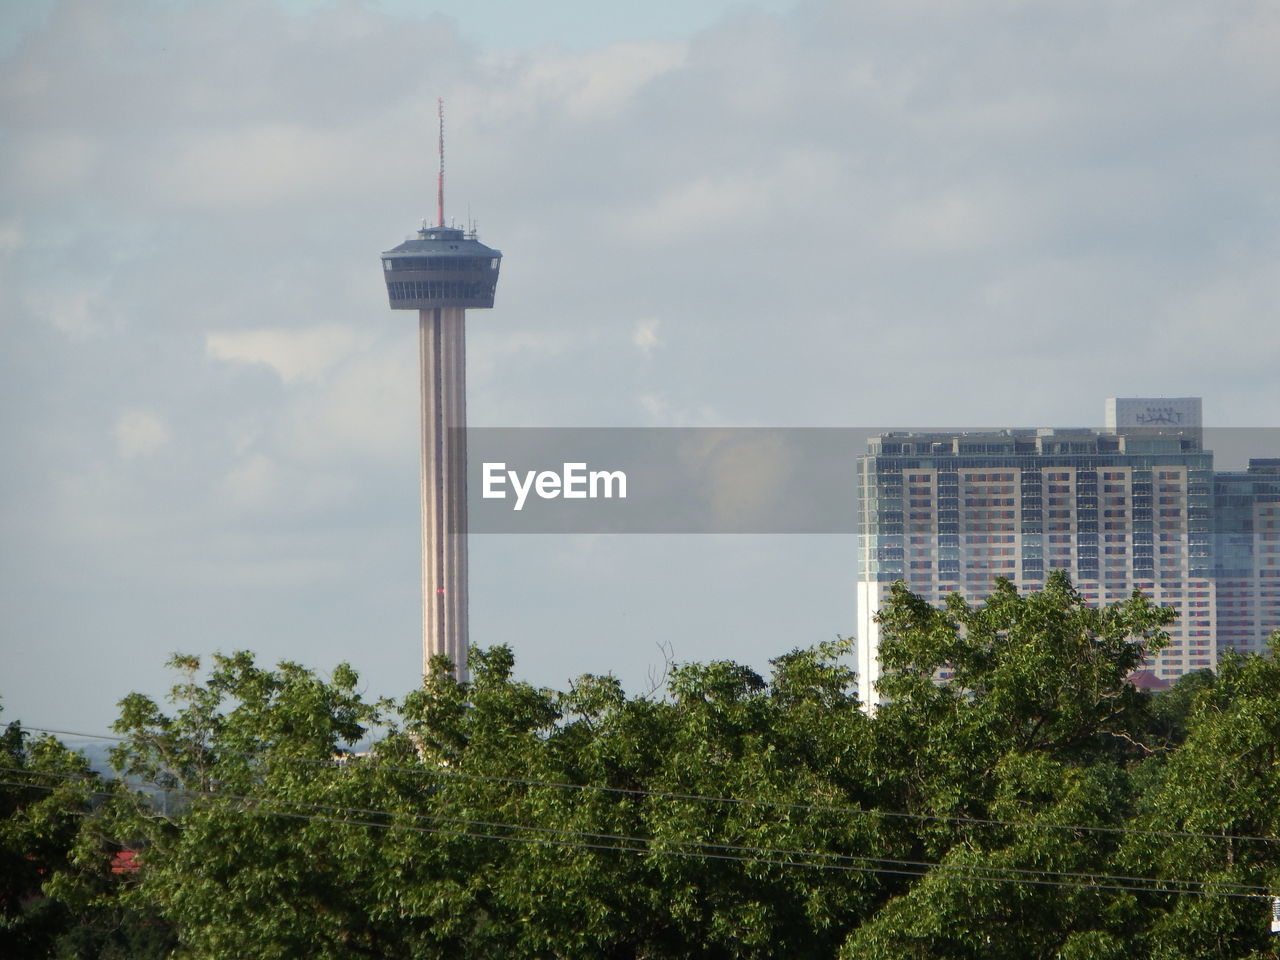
{"points": [[442, 273]]}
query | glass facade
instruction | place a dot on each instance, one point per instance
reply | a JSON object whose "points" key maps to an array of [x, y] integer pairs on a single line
{"points": [[441, 267], [1119, 510], [1247, 554]]}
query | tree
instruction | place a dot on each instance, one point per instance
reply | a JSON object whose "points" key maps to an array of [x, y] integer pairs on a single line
{"points": [[1020, 739], [1220, 794], [494, 817], [1035, 805], [58, 894], [262, 859]]}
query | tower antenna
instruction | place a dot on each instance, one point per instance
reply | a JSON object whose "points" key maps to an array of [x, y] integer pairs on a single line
{"points": [[440, 176]]}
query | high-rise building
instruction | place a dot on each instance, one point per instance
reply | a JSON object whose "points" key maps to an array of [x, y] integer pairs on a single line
{"points": [[441, 273], [1247, 555], [1129, 507]]}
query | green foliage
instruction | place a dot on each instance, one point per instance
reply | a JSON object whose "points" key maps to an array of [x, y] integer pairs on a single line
{"points": [[58, 894], [1224, 780], [1036, 806]]}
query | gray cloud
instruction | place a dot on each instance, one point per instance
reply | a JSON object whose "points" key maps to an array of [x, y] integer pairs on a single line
{"points": [[877, 212]]}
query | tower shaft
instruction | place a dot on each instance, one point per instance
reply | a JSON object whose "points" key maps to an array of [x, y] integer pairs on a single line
{"points": [[443, 357], [441, 273]]}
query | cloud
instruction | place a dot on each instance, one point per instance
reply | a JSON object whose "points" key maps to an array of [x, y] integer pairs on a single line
{"points": [[594, 84], [645, 335], [659, 411], [700, 206], [258, 166], [11, 237], [49, 162], [855, 212], [296, 356], [255, 482], [78, 314], [140, 433], [964, 220], [364, 413]]}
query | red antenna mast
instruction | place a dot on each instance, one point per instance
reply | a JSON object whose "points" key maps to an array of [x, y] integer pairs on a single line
{"points": [[440, 177]]}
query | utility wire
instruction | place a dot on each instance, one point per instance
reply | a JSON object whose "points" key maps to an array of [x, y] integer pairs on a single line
{"points": [[744, 801], [969, 871], [753, 860], [748, 860]]}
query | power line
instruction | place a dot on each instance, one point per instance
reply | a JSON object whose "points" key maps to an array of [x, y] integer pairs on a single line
{"points": [[743, 801], [949, 871], [944, 869], [583, 839]]}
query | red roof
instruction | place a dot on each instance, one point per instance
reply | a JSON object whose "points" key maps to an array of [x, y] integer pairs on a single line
{"points": [[1146, 680]]}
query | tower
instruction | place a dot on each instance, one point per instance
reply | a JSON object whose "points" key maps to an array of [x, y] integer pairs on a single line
{"points": [[441, 273]]}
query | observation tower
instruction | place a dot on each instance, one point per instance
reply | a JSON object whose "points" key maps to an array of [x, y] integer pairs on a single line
{"points": [[442, 273]]}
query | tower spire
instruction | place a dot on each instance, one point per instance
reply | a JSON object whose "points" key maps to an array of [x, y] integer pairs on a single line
{"points": [[440, 175]]}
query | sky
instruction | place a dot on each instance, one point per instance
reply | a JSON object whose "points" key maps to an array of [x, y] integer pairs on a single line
{"points": [[798, 213]]}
